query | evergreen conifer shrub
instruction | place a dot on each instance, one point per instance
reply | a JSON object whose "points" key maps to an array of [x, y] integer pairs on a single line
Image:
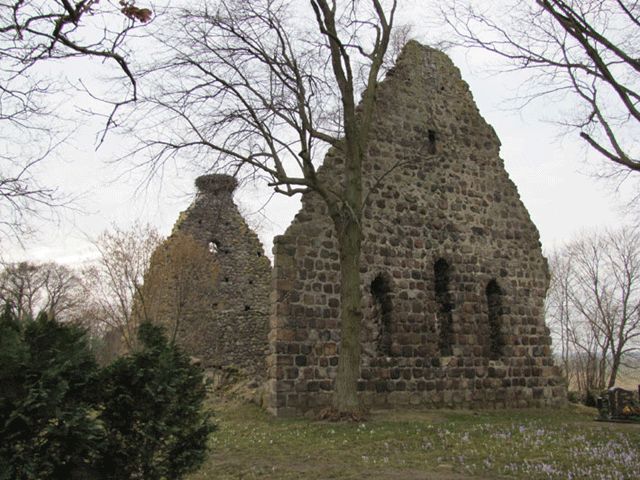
{"points": [[61, 417], [47, 399], [152, 412]]}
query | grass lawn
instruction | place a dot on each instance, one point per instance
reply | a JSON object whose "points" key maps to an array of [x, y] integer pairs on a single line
{"points": [[436, 444]]}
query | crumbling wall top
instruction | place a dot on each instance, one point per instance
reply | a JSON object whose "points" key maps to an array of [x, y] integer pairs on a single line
{"points": [[216, 184]]}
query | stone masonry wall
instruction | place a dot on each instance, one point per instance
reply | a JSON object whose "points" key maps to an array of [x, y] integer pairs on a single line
{"points": [[232, 325], [453, 277]]}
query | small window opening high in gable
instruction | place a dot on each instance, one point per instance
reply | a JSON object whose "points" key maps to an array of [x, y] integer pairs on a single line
{"points": [[431, 141], [214, 246]]}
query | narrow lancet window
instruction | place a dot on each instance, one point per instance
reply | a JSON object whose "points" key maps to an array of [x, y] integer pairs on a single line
{"points": [[381, 292], [432, 141], [495, 310], [442, 273]]}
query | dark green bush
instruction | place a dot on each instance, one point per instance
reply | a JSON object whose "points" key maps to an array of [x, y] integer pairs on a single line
{"points": [[152, 412], [63, 418], [47, 417]]}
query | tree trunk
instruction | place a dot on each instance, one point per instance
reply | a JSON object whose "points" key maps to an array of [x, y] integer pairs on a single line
{"points": [[602, 371], [350, 242], [614, 370]]}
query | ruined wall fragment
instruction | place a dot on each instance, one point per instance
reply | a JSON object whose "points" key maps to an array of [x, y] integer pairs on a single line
{"points": [[453, 276], [213, 268]]}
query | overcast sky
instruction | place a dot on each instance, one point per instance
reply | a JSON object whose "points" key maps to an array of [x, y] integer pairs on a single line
{"points": [[551, 171]]}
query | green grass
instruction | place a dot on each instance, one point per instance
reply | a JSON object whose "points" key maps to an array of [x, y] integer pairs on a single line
{"points": [[437, 444]]}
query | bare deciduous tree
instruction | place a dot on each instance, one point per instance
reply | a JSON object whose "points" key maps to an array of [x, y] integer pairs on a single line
{"points": [[41, 287], [116, 279], [265, 88], [33, 34], [594, 305], [63, 291], [22, 287], [23, 198], [178, 287], [585, 50]]}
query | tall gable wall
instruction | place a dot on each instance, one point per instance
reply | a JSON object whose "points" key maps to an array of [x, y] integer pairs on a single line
{"points": [[453, 277], [230, 326]]}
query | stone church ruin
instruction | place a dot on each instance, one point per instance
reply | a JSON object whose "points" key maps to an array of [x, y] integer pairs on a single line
{"points": [[229, 323], [453, 277]]}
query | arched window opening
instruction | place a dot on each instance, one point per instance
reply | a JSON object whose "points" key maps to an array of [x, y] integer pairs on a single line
{"points": [[495, 310], [442, 274], [381, 292]]}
